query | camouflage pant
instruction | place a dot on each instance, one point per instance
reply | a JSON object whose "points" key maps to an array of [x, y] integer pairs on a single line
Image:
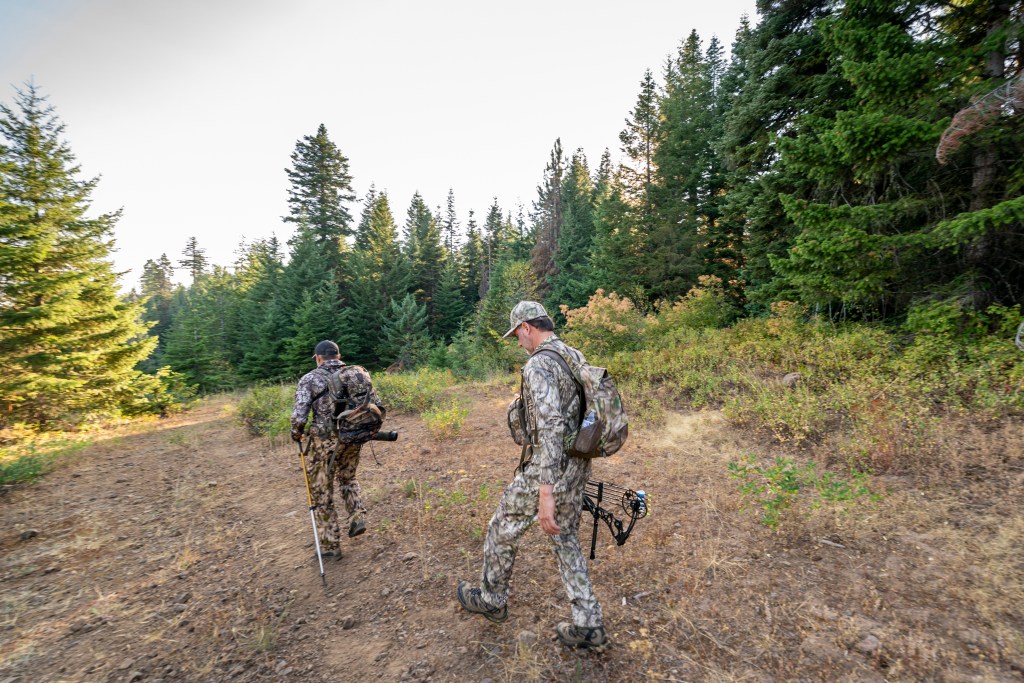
{"points": [[322, 485], [516, 512]]}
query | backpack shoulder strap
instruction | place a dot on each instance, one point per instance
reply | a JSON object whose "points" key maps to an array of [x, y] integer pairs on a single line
{"points": [[327, 374], [565, 366]]}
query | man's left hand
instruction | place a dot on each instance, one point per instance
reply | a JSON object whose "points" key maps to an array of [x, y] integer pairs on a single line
{"points": [[297, 434], [546, 510]]}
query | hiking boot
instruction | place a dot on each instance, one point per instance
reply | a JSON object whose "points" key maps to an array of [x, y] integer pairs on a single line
{"points": [[328, 555], [356, 527], [593, 639], [472, 601]]}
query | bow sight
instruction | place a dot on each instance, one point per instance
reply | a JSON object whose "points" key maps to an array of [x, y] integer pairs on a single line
{"points": [[633, 503]]}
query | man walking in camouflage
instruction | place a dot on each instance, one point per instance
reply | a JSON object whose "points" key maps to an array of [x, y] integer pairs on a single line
{"points": [[547, 487], [329, 462]]}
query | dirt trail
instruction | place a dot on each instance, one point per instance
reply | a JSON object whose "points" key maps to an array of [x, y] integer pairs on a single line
{"points": [[185, 553]]}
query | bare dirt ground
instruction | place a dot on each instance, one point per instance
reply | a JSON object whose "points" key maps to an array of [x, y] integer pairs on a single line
{"points": [[185, 553]]}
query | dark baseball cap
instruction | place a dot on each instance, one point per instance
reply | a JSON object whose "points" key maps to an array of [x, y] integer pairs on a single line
{"points": [[327, 349]]}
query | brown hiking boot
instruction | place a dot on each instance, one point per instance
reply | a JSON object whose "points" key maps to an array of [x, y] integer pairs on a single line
{"points": [[592, 639], [472, 601]]}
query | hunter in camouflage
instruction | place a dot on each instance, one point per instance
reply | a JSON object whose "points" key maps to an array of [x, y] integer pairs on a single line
{"points": [[547, 487], [330, 468]]}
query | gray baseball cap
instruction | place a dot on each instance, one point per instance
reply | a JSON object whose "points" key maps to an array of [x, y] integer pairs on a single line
{"points": [[524, 310]]}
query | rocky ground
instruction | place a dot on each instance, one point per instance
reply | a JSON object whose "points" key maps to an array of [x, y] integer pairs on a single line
{"points": [[183, 552]]}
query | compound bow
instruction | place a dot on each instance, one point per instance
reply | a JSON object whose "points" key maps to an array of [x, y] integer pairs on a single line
{"points": [[633, 503]]}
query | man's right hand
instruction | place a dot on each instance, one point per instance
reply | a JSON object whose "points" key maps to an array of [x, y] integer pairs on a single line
{"points": [[297, 434]]}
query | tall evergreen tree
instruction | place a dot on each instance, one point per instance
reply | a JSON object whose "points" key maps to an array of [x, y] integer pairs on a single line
{"points": [[261, 327], [157, 290], [68, 343], [547, 219], [618, 245], [472, 260], [725, 241], [449, 306], [450, 226], [198, 341], [320, 186], [404, 337], [428, 254], [868, 239], [194, 260], [639, 145], [789, 83], [378, 271], [573, 284]]}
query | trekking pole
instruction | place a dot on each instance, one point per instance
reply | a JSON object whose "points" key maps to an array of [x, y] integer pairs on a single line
{"points": [[312, 518]]}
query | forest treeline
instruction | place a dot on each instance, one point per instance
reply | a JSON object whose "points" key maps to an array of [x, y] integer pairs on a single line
{"points": [[801, 167]]}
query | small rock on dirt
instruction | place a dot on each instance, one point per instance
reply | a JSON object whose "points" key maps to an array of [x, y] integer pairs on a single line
{"points": [[527, 638], [29, 533], [347, 622], [869, 645], [409, 557]]}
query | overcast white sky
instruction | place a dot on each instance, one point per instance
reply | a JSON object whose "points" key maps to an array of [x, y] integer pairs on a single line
{"points": [[189, 109]]}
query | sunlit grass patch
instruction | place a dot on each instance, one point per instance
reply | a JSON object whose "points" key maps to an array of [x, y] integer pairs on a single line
{"points": [[444, 421], [28, 460], [412, 391]]}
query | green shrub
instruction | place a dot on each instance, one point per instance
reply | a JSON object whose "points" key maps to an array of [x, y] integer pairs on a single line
{"points": [[24, 461], [606, 325], [266, 411], [783, 486], [412, 391], [704, 306], [445, 421]]}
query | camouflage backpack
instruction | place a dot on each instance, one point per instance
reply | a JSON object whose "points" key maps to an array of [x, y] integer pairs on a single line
{"points": [[358, 412], [603, 424]]}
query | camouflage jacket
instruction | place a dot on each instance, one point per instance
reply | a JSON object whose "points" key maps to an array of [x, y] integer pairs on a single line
{"points": [[311, 384], [553, 413]]}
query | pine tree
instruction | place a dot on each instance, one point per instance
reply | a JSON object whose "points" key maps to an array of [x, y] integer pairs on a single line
{"points": [[308, 270], [789, 82], [618, 245], [547, 219], [259, 272], [450, 226], [194, 260], [320, 186], [68, 343], [404, 337], [725, 241], [867, 240], [511, 282], [639, 145], [688, 173], [310, 325], [198, 341], [378, 271], [157, 293], [449, 306], [574, 282], [472, 260], [425, 251]]}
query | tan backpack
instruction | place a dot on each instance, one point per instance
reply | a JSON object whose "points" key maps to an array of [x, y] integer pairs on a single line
{"points": [[603, 425]]}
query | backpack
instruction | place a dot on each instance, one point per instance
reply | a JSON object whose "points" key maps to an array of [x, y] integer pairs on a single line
{"points": [[357, 410], [603, 426]]}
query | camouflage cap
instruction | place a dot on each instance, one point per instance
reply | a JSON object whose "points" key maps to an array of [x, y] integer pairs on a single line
{"points": [[524, 311]]}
